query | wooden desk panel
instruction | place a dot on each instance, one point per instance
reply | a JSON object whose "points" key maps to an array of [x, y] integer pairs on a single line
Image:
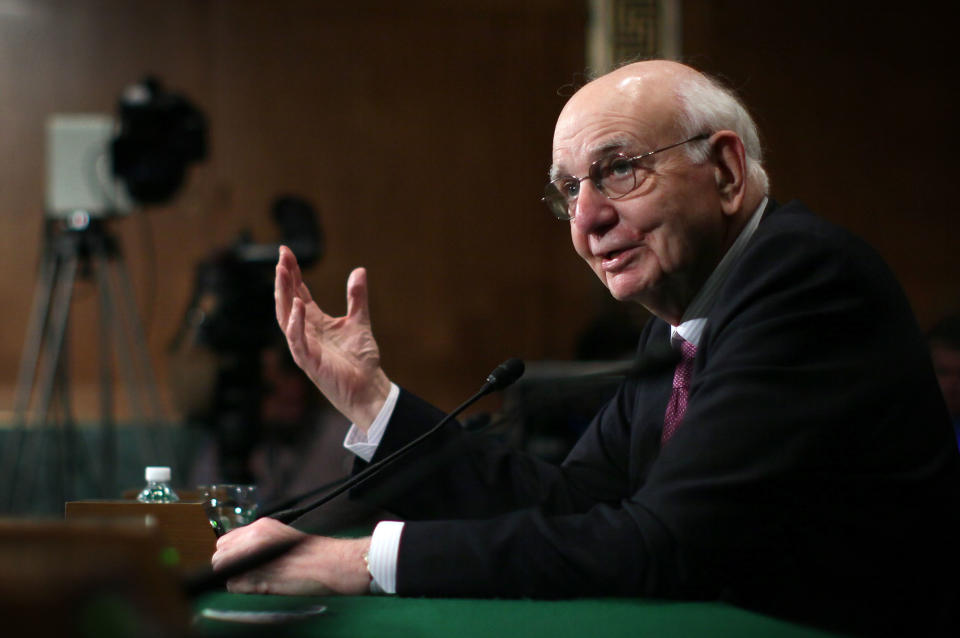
{"points": [[184, 526]]}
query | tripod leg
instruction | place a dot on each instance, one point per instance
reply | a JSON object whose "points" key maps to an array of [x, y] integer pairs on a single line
{"points": [[33, 344], [139, 343], [39, 312], [127, 369], [64, 437], [108, 443], [149, 450], [56, 333], [51, 370]]}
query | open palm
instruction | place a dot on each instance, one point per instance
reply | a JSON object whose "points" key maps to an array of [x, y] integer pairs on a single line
{"points": [[339, 354]]}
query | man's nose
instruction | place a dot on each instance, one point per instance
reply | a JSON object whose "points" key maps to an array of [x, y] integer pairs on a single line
{"points": [[595, 212]]}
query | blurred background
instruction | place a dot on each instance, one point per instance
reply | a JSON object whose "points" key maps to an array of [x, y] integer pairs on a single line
{"points": [[414, 139]]}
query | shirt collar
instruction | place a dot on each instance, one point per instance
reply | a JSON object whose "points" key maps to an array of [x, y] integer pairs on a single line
{"points": [[694, 319]]}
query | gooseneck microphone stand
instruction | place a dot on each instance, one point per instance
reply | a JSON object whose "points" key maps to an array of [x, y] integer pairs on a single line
{"points": [[502, 376]]}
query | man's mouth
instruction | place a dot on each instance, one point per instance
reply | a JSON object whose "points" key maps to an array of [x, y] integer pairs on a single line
{"points": [[614, 260], [613, 253]]}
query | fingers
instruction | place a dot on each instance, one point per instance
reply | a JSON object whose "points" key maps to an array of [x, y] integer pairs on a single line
{"points": [[281, 295], [289, 261], [250, 538], [296, 333], [288, 284], [357, 300], [285, 285], [304, 293], [234, 541], [229, 546]]}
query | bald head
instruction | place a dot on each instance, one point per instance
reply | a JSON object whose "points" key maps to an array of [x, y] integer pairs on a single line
{"points": [[655, 238], [643, 91], [674, 99]]}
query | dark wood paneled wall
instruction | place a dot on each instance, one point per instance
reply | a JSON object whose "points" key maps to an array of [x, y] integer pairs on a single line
{"points": [[857, 106], [421, 131]]}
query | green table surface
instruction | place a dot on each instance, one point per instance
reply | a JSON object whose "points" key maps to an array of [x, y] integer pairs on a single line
{"points": [[393, 617]]}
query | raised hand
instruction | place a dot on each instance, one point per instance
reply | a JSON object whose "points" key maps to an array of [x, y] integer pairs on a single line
{"points": [[339, 354]]}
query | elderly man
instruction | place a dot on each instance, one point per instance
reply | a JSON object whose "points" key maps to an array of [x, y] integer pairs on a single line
{"points": [[798, 461]]}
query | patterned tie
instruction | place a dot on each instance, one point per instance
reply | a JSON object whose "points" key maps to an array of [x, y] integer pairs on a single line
{"points": [[681, 390]]}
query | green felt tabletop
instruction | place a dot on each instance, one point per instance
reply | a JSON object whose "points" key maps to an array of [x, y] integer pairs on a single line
{"points": [[383, 616]]}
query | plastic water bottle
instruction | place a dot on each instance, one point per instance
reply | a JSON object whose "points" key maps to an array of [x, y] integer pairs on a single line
{"points": [[158, 487]]}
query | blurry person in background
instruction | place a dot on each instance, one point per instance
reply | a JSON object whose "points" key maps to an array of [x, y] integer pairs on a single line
{"points": [[234, 379], [944, 340]]}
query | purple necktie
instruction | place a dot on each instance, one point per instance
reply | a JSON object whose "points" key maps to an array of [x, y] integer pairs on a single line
{"points": [[681, 390]]}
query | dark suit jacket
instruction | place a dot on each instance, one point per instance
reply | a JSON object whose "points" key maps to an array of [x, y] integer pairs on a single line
{"points": [[814, 477]]}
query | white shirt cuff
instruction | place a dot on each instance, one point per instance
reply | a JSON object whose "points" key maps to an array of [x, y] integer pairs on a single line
{"points": [[382, 559], [365, 445]]}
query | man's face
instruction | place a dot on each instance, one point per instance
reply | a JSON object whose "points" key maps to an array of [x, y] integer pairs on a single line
{"points": [[657, 245], [946, 361]]}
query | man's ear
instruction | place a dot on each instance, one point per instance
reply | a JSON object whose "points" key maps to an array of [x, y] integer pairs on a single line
{"points": [[730, 169]]}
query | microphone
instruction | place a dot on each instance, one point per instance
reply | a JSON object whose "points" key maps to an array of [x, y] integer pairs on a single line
{"points": [[655, 358], [502, 376]]}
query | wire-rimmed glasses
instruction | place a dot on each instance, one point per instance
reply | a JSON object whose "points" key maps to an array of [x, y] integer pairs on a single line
{"points": [[615, 176]]}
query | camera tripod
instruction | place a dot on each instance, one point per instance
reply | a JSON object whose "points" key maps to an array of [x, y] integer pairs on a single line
{"points": [[75, 247]]}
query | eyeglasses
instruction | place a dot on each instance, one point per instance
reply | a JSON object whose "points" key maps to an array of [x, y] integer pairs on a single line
{"points": [[615, 176]]}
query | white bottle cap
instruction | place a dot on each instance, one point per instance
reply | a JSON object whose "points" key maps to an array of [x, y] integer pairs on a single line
{"points": [[161, 474]]}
